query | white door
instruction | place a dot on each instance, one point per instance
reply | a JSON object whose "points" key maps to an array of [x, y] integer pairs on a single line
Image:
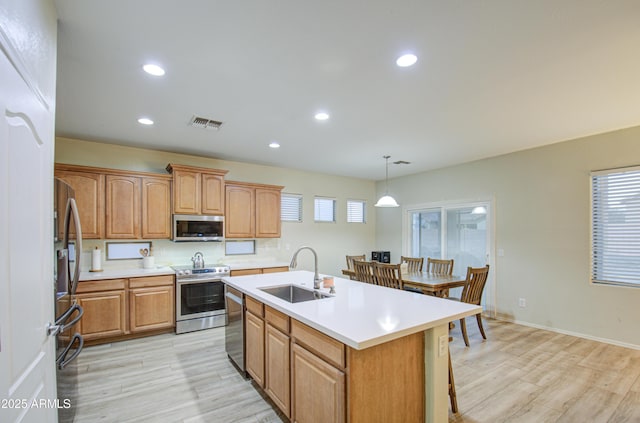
{"points": [[27, 353]]}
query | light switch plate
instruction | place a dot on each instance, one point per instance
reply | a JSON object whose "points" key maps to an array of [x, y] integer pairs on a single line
{"points": [[442, 345]]}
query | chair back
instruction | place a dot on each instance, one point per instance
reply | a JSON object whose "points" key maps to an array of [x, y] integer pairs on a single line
{"points": [[364, 271], [351, 259], [474, 285], [414, 264], [440, 267], [388, 275]]}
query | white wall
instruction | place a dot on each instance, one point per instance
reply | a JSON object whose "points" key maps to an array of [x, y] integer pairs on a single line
{"points": [[542, 216], [331, 241]]}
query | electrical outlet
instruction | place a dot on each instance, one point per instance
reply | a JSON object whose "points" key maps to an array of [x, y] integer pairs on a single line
{"points": [[522, 302], [442, 345]]}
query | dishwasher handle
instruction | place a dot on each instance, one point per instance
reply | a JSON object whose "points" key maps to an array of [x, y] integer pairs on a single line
{"points": [[233, 297]]}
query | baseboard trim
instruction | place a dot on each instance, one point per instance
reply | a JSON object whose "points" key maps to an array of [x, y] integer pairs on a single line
{"points": [[567, 332]]}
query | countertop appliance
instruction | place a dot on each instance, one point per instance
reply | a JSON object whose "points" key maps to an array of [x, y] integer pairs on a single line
{"points": [[67, 238], [234, 331], [199, 297], [197, 228], [381, 256]]}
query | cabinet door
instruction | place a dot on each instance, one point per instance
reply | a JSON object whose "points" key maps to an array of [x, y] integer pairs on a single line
{"points": [[123, 207], [186, 192], [315, 382], [104, 314], [267, 213], [239, 212], [212, 194], [156, 208], [151, 308], [254, 351], [89, 195], [277, 369]]}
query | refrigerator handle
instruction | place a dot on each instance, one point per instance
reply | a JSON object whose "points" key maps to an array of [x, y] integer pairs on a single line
{"points": [[62, 361], [62, 320], [72, 209]]}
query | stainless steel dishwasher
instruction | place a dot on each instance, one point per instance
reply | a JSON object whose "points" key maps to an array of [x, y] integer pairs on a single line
{"points": [[234, 331]]}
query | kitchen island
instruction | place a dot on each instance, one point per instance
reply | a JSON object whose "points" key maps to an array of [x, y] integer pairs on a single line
{"points": [[367, 353]]}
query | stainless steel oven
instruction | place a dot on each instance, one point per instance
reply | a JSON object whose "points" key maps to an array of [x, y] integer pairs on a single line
{"points": [[200, 298]]}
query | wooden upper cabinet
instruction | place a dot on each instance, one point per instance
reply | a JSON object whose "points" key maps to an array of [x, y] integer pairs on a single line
{"points": [[123, 207], [252, 210], [156, 208], [267, 213], [89, 195], [197, 190], [239, 211]]}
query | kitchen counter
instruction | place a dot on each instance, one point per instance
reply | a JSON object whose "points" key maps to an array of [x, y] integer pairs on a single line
{"points": [[359, 315], [125, 273], [256, 265]]}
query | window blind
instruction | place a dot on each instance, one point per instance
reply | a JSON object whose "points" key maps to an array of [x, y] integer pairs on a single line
{"points": [[615, 213], [324, 209], [291, 208], [355, 211]]}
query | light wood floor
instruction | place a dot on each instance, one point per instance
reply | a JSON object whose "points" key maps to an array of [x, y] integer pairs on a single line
{"points": [[519, 374]]}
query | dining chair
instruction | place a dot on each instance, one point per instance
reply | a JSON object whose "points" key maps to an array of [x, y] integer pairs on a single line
{"points": [[452, 387], [364, 271], [472, 294], [414, 264], [387, 275], [440, 267], [350, 260]]}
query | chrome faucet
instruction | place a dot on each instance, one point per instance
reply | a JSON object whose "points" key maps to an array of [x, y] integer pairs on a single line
{"points": [[198, 260], [294, 263]]}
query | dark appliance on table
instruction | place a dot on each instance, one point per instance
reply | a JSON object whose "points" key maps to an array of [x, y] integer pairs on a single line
{"points": [[234, 331], [67, 238], [381, 256], [199, 297]]}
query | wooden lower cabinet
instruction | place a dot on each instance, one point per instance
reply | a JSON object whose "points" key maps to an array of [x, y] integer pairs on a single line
{"points": [[318, 389], [259, 270], [278, 368], [151, 308], [104, 314], [254, 351]]}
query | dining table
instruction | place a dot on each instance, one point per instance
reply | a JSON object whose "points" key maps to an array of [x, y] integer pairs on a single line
{"points": [[434, 284]]}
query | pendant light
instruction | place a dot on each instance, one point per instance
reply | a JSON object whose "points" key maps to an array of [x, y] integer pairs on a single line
{"points": [[386, 200]]}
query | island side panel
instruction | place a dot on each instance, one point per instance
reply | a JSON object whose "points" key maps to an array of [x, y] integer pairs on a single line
{"points": [[387, 382], [437, 374]]}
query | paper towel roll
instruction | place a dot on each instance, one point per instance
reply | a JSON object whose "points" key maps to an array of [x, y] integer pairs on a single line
{"points": [[96, 257]]}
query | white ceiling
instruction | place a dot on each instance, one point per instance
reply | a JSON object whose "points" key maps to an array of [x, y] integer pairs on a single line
{"points": [[492, 77]]}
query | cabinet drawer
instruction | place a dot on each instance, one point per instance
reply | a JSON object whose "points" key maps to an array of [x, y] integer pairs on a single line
{"points": [[243, 272], [102, 285], [254, 306], [321, 344], [277, 319], [275, 269], [147, 281]]}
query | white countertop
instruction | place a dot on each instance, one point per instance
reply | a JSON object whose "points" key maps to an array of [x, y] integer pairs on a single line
{"points": [[126, 273], [360, 315]]}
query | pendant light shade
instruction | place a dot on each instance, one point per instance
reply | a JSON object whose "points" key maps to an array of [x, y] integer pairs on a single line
{"points": [[386, 200]]}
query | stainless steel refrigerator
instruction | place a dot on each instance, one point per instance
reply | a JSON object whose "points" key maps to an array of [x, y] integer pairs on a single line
{"points": [[68, 251]]}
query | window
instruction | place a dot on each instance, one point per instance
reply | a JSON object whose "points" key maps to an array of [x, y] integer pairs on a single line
{"points": [[615, 226], [324, 209], [355, 211], [291, 208]]}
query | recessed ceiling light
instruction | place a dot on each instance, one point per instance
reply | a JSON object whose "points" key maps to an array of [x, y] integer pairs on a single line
{"points": [[406, 60], [322, 116], [274, 144], [145, 121], [154, 70]]}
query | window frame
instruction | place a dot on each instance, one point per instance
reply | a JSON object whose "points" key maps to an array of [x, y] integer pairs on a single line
{"points": [[363, 203], [315, 215], [300, 207]]}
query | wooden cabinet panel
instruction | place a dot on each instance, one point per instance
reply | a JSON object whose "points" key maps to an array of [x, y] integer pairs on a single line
{"points": [[255, 307], [275, 269], [239, 212], [318, 389], [267, 213], [212, 194], [147, 281], [89, 195], [186, 192], [151, 308], [156, 208], [276, 319], [277, 368], [321, 344], [104, 314], [243, 272], [101, 285], [254, 351], [123, 207]]}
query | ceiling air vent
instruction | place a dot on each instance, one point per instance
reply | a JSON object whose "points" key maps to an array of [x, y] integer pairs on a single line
{"points": [[204, 123], [401, 162]]}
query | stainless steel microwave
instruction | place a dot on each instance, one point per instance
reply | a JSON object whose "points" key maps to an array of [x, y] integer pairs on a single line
{"points": [[197, 228]]}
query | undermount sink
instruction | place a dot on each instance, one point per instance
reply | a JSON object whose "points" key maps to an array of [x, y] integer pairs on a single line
{"points": [[293, 293]]}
